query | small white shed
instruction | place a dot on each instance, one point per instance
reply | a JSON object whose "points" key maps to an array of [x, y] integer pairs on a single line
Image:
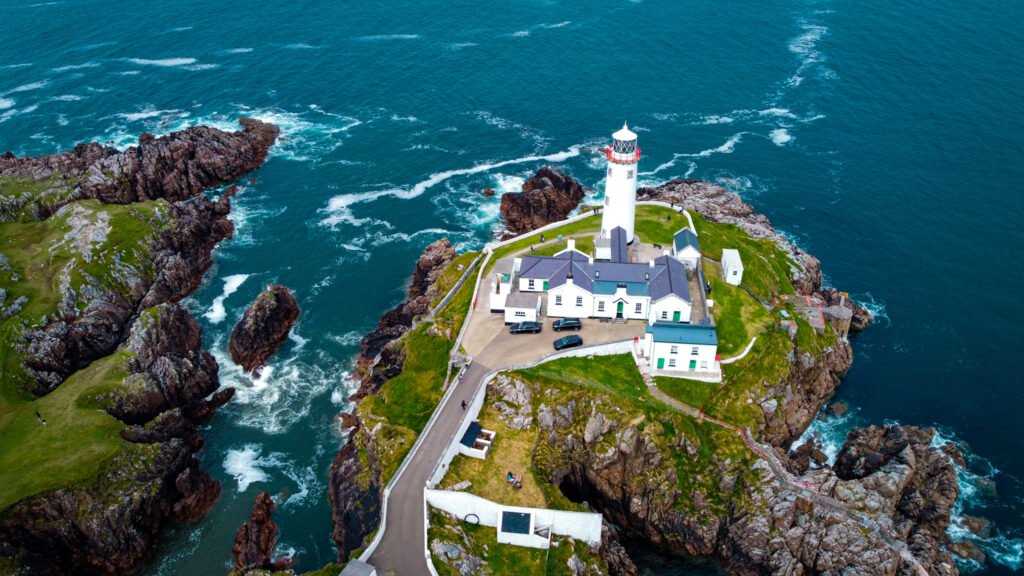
{"points": [[522, 307], [732, 266]]}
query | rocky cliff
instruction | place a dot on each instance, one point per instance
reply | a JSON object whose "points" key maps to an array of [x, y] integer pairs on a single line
{"points": [[354, 479], [263, 327], [121, 236], [549, 196], [255, 540]]}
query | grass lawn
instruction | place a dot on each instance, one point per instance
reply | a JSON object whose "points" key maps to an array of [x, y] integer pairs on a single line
{"points": [[692, 392], [615, 375], [584, 244], [452, 274], [79, 437], [658, 225], [589, 224], [512, 451], [738, 317], [766, 363], [766, 267]]}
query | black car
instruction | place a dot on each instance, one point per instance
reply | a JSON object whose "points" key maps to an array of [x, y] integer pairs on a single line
{"points": [[571, 341], [567, 324], [524, 328]]}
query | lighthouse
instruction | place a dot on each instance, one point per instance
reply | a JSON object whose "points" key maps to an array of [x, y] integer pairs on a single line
{"points": [[620, 187]]}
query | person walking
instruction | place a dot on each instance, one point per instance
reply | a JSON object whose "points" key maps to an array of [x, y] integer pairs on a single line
{"points": [[463, 405]]}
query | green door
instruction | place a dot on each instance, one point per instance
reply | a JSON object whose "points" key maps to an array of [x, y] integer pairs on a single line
{"points": [[545, 285], [693, 365], [675, 316], [661, 363], [619, 309]]}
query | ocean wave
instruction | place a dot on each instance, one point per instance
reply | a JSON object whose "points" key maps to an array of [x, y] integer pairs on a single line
{"points": [[725, 148], [238, 50], [76, 67], [217, 313], [461, 45], [379, 37], [780, 136], [246, 465], [129, 73], [27, 87], [339, 207], [65, 98], [508, 183], [520, 34], [6, 103], [163, 62], [716, 119], [301, 46], [876, 307], [525, 132], [558, 25], [150, 112]]}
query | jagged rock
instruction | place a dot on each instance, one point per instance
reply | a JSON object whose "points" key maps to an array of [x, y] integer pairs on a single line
{"points": [[264, 325], [613, 553], [254, 541], [355, 504], [838, 408], [549, 196], [980, 527], [488, 192]]}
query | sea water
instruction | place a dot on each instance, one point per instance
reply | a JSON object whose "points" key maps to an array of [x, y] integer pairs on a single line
{"points": [[884, 138]]}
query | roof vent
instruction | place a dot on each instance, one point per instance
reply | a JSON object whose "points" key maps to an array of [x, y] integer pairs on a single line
{"points": [[597, 273], [647, 275]]}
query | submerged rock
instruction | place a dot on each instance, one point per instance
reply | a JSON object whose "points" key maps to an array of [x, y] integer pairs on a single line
{"points": [[263, 327], [549, 196]]}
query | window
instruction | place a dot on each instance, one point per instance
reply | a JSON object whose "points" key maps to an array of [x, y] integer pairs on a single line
{"points": [[664, 314], [694, 352], [673, 350], [629, 174], [600, 305], [579, 300], [520, 314], [703, 364], [671, 362], [558, 300], [639, 307], [530, 283]]}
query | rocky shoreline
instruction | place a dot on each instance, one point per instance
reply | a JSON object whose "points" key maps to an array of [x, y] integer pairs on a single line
{"points": [[132, 324], [893, 473]]}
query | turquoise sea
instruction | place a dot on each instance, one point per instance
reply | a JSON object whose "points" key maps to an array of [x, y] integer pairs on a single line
{"points": [[885, 138]]}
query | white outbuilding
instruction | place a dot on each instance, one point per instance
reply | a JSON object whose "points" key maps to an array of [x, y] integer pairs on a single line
{"points": [[522, 307], [732, 266], [686, 248]]}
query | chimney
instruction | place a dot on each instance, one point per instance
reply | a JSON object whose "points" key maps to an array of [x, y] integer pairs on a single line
{"points": [[651, 263], [572, 243]]}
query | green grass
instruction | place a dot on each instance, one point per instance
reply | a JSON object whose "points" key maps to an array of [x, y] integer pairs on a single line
{"points": [[579, 227], [692, 392], [658, 225], [765, 366], [584, 244], [449, 320], [766, 267], [78, 439], [446, 281], [23, 199], [738, 317], [614, 375]]}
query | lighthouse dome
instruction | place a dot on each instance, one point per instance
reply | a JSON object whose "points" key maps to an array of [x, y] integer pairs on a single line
{"points": [[625, 134]]}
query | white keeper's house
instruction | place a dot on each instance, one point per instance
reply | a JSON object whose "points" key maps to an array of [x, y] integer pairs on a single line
{"points": [[611, 285]]}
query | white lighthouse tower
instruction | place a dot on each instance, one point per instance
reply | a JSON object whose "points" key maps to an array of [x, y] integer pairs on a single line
{"points": [[620, 187]]}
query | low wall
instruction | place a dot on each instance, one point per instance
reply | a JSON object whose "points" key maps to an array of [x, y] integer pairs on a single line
{"points": [[584, 526]]}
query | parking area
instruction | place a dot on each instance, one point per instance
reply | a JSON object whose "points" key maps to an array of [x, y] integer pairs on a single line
{"points": [[488, 340]]}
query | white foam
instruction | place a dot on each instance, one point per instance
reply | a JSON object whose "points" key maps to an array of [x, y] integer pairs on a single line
{"points": [[726, 148], [558, 25], [246, 466], [716, 119], [181, 29], [461, 45], [130, 72], [780, 136], [14, 66], [239, 50], [410, 118], [165, 62], [76, 67], [663, 166], [378, 37], [876, 307], [27, 87], [301, 46], [6, 103], [805, 43], [148, 113], [777, 112], [216, 314], [348, 338], [508, 183], [196, 67], [521, 34], [66, 98], [339, 206]]}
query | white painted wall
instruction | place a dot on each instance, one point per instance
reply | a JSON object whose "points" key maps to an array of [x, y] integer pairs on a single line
{"points": [[682, 356], [689, 256], [585, 526], [620, 200], [525, 286], [732, 266], [513, 314], [667, 307], [569, 292]]}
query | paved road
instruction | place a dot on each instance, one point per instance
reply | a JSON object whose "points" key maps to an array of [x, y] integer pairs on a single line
{"points": [[400, 551]]}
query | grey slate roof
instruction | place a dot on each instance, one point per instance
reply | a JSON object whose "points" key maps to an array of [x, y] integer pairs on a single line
{"points": [[700, 334], [684, 238], [620, 253], [670, 279], [522, 300]]}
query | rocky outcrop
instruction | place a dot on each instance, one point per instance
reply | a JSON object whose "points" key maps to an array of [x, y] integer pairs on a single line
{"points": [[263, 327], [175, 167], [549, 196], [377, 361], [717, 204], [355, 494], [108, 527], [255, 540]]}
